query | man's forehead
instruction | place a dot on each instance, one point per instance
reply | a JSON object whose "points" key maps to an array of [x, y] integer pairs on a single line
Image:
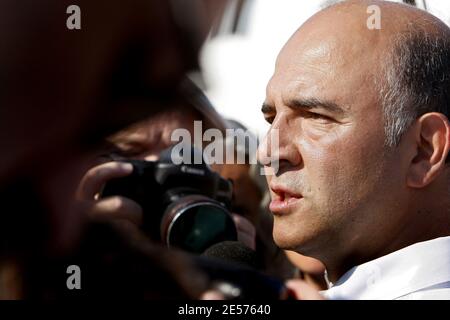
{"points": [[315, 76], [324, 49], [326, 68]]}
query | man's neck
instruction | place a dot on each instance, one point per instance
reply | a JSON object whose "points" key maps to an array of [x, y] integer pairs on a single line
{"points": [[423, 225]]}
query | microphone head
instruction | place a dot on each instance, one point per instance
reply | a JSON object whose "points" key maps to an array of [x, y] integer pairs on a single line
{"points": [[234, 252], [230, 267]]}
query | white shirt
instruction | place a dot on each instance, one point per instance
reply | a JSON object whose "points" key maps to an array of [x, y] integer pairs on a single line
{"points": [[419, 271]]}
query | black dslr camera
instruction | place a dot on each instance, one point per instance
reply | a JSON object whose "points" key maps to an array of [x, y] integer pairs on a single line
{"points": [[185, 205]]}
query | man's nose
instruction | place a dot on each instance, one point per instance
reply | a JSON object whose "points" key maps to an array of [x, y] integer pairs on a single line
{"points": [[279, 146]]}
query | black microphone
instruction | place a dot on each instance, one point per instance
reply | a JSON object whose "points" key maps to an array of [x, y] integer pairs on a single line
{"points": [[233, 252], [230, 267]]}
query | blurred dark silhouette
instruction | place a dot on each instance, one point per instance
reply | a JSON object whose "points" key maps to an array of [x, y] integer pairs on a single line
{"points": [[61, 92]]}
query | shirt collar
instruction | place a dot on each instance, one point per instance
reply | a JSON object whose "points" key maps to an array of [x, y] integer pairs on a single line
{"points": [[418, 266]]}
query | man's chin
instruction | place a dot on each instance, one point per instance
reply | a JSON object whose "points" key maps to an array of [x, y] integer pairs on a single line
{"points": [[286, 243], [296, 241]]}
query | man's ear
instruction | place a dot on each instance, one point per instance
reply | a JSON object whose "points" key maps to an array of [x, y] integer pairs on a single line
{"points": [[432, 149]]}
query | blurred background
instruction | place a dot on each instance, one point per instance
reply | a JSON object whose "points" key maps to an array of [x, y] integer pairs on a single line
{"points": [[239, 57]]}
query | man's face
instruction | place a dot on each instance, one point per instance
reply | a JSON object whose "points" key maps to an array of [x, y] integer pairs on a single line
{"points": [[336, 180]]}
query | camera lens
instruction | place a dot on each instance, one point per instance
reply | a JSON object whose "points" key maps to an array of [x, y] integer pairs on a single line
{"points": [[194, 223]]}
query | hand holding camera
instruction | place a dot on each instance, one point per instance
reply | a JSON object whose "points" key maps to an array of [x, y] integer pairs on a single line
{"points": [[110, 208], [185, 206]]}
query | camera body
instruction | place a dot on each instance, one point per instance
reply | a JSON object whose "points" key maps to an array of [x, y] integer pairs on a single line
{"points": [[185, 205]]}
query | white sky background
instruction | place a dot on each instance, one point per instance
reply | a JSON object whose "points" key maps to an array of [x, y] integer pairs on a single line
{"points": [[440, 8], [237, 67]]}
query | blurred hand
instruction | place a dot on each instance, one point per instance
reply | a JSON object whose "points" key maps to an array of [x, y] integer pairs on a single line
{"points": [[110, 208], [212, 295], [299, 288], [246, 231], [303, 291]]}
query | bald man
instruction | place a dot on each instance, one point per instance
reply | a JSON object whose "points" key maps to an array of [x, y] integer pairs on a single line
{"points": [[363, 182]]}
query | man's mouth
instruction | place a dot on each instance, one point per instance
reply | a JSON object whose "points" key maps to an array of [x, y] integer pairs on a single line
{"points": [[283, 200]]}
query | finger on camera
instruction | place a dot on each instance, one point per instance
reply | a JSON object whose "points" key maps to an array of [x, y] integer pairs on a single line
{"points": [[96, 177], [244, 224], [117, 207]]}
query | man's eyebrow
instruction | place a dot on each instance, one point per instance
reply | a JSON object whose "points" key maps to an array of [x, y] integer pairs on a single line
{"points": [[310, 103], [267, 108]]}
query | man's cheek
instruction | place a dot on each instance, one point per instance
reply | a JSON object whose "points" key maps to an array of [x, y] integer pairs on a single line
{"points": [[326, 181]]}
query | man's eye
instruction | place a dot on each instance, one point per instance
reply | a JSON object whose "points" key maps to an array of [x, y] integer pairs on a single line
{"points": [[320, 117]]}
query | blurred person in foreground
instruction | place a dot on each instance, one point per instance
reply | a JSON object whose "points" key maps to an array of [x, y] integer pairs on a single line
{"points": [[63, 91], [363, 182]]}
